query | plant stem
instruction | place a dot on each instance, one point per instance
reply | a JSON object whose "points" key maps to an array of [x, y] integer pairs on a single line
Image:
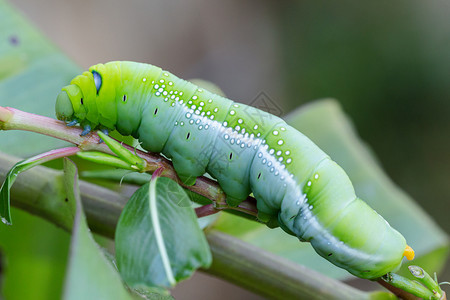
{"points": [[14, 119]]}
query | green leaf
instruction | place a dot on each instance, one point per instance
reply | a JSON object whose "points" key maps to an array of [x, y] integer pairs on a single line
{"points": [[22, 166], [325, 123], [105, 159], [89, 274], [135, 161], [158, 239]]}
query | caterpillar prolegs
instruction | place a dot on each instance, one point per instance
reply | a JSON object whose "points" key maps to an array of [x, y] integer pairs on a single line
{"points": [[247, 150]]}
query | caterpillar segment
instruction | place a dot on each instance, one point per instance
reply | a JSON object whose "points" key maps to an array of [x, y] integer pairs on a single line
{"points": [[297, 186]]}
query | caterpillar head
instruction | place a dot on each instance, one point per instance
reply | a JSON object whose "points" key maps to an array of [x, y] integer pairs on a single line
{"points": [[77, 101], [64, 108]]}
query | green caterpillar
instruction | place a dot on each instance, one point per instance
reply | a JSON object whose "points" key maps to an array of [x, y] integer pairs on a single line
{"points": [[296, 184]]}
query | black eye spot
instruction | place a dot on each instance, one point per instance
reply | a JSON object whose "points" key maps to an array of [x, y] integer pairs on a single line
{"points": [[330, 254], [156, 111], [259, 175], [81, 100], [188, 135], [97, 80], [124, 98], [231, 155]]}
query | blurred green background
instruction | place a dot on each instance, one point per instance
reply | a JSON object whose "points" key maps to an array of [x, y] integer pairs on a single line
{"points": [[387, 62]]}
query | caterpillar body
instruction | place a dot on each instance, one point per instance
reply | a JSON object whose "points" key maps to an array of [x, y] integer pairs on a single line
{"points": [[296, 184]]}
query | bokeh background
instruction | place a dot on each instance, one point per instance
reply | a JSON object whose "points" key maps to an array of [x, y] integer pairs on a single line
{"points": [[387, 62]]}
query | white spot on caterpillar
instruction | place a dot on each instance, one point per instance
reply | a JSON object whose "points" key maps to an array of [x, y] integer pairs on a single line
{"points": [[172, 97], [242, 145], [181, 123], [282, 177], [269, 164], [288, 161], [255, 127], [276, 173], [166, 74], [181, 93], [238, 141], [260, 155], [162, 80], [197, 112], [235, 105], [188, 115], [210, 101], [189, 102], [282, 129], [166, 99], [225, 123], [240, 121], [272, 169], [212, 117], [200, 90], [173, 104], [271, 151], [191, 122], [309, 183], [194, 106], [280, 159], [310, 207], [200, 127], [156, 86], [158, 94], [197, 122], [232, 112], [160, 90], [226, 136], [206, 126], [165, 93], [144, 79], [216, 109], [237, 127], [258, 135], [202, 103], [170, 83], [264, 161], [243, 130], [208, 113], [249, 145], [176, 123], [298, 202], [275, 132], [288, 152], [316, 176], [280, 142], [232, 141], [278, 152], [194, 97]]}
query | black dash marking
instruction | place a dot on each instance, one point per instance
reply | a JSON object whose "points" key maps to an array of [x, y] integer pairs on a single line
{"points": [[124, 98], [330, 254], [259, 175], [231, 155], [156, 111], [188, 135], [82, 101]]}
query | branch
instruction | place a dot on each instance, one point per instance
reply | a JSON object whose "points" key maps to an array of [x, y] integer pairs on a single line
{"points": [[14, 119]]}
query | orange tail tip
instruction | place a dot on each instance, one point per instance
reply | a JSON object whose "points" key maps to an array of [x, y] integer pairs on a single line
{"points": [[409, 253]]}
